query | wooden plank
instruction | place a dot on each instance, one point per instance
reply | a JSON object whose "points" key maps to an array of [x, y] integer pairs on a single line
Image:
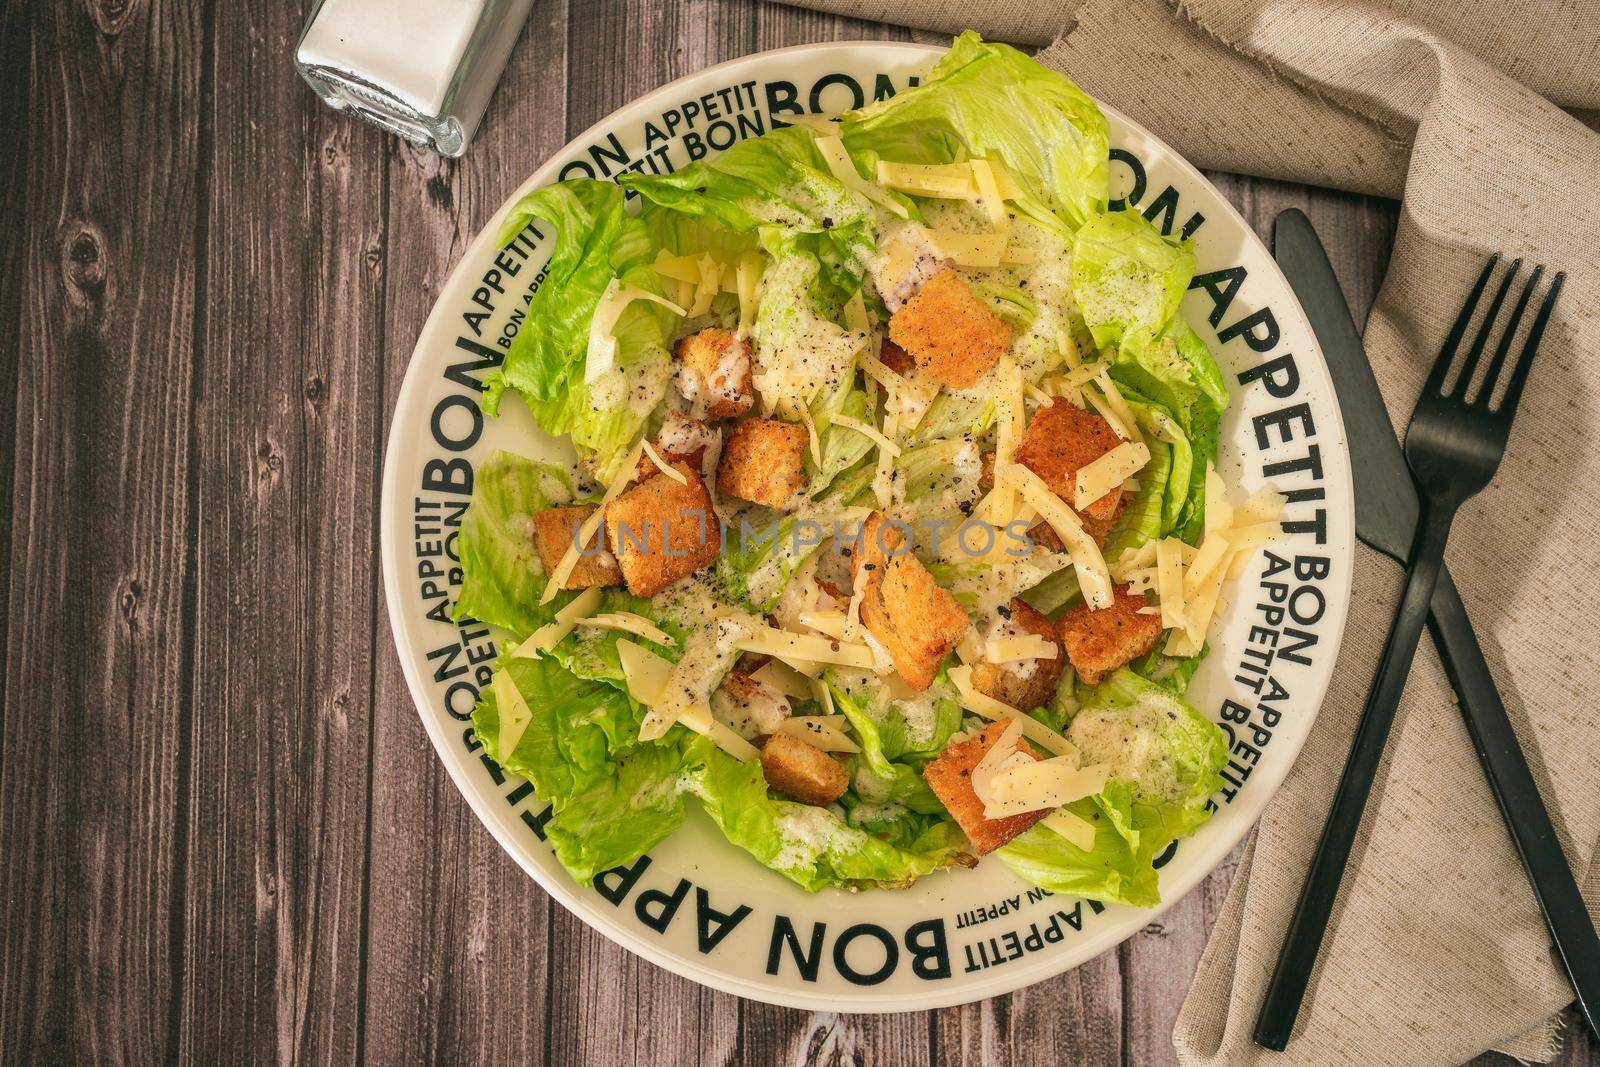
{"points": [[456, 931], [285, 473], [1074, 1018], [94, 753]]}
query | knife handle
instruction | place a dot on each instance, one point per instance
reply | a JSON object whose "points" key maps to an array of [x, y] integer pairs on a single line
{"points": [[1524, 812]]}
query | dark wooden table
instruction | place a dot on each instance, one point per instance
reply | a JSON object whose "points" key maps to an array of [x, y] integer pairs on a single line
{"points": [[223, 833]]}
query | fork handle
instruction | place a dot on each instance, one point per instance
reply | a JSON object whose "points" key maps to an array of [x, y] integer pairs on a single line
{"points": [[1309, 923]]}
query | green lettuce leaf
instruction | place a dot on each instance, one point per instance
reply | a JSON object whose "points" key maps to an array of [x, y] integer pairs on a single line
{"points": [[809, 845], [1128, 278], [614, 798], [501, 575], [998, 104], [778, 185], [597, 241], [1166, 761]]}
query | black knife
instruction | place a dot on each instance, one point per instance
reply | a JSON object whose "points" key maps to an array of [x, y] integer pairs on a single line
{"points": [[1386, 520]]}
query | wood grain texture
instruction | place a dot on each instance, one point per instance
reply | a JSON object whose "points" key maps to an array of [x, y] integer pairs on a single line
{"points": [[224, 834]]}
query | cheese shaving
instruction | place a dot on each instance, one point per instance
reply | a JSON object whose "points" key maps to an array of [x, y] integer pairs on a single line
{"points": [[1013, 649], [820, 731], [989, 192], [514, 713], [1219, 513], [1037, 784], [840, 164], [785, 679], [1106, 473], [808, 648], [1093, 577], [990, 708], [662, 465], [747, 282], [948, 181], [546, 636], [629, 623], [1078, 831]]}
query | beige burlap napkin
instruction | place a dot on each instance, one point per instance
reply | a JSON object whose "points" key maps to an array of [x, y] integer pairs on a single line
{"points": [[1437, 950]]}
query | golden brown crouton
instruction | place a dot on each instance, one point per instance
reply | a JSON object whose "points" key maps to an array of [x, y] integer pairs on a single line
{"points": [[1098, 642], [895, 358], [915, 619], [662, 530], [950, 331], [1061, 439], [1025, 684], [556, 530], [950, 778], [802, 772], [716, 375], [680, 440], [763, 461]]}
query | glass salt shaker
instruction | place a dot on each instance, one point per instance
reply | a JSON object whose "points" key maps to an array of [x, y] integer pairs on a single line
{"points": [[423, 69]]}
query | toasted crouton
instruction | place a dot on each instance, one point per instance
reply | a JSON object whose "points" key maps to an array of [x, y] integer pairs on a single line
{"points": [[748, 707], [915, 619], [802, 772], [950, 331], [556, 530], [1098, 642], [1025, 684], [716, 377], [1060, 440], [950, 778], [895, 358], [763, 461], [662, 530], [680, 440]]}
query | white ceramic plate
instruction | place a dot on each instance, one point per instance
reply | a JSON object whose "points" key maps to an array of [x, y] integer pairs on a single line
{"points": [[697, 905]]}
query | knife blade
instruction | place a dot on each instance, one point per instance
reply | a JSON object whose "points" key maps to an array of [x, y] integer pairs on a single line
{"points": [[1386, 520]]}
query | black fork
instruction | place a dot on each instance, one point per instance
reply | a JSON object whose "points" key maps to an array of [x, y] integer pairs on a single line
{"points": [[1454, 444]]}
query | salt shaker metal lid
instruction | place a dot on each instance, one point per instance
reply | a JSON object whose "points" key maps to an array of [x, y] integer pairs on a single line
{"points": [[424, 69]]}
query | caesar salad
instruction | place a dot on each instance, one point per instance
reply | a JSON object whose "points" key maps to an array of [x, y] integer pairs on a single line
{"points": [[892, 529]]}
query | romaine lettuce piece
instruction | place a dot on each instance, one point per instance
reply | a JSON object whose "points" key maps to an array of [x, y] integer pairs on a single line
{"points": [[780, 186], [1128, 279], [1166, 761], [998, 104], [811, 846], [502, 577], [614, 798], [597, 241], [620, 818]]}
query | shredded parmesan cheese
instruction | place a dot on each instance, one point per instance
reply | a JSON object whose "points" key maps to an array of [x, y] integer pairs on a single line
{"points": [[546, 636], [807, 648], [1107, 473], [662, 466], [839, 162], [629, 623], [1093, 577], [990, 708], [514, 713]]}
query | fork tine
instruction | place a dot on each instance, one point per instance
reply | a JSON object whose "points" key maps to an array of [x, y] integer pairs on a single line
{"points": [[1519, 373], [1441, 366], [1492, 377], [1469, 366]]}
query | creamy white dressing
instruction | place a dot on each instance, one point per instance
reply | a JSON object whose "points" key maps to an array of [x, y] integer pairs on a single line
{"points": [[1131, 741]]}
